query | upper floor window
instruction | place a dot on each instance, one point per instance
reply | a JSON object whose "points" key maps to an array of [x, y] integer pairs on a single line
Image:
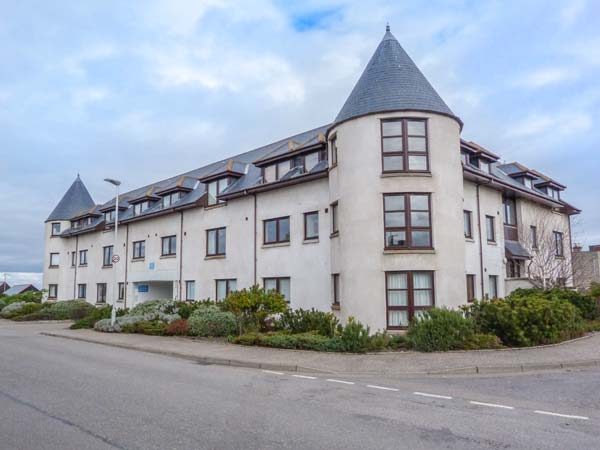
{"points": [[311, 225], [559, 244], [493, 286], [527, 182], [139, 249], [171, 198], [277, 230], [215, 188], [107, 253], [52, 291], [334, 219], [279, 284], [55, 229], [73, 259], [216, 243], [334, 150], [534, 237], [484, 165], [408, 295], [468, 224], [54, 259], [407, 221], [169, 246], [224, 288], [83, 257], [490, 228], [513, 268], [510, 211], [139, 208], [554, 193], [404, 145], [109, 216]]}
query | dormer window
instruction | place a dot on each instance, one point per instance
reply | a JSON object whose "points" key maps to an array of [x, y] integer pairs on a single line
{"points": [[484, 165], [139, 208], [464, 156], [527, 182], [554, 193], [56, 229], [215, 188], [171, 198]]}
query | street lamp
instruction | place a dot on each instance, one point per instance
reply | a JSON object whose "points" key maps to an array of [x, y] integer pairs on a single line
{"points": [[113, 314]]}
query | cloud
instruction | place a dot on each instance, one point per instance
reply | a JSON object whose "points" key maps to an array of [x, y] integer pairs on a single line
{"points": [[14, 278], [558, 125], [544, 77], [74, 64]]}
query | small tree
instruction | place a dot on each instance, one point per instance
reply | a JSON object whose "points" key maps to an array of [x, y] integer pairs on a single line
{"points": [[254, 306]]}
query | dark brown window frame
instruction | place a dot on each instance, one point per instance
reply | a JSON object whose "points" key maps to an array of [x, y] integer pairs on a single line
{"points": [[55, 286], [334, 150], [54, 265], [493, 228], [52, 233], [306, 237], [121, 291], [335, 279], [217, 241], [104, 264], [79, 289], [410, 296], [104, 290], [405, 153], [559, 251], [278, 284], [469, 214], [83, 252], [138, 245], [335, 219], [471, 286], [172, 247], [228, 289], [187, 285], [513, 268], [534, 237], [73, 258], [277, 221], [492, 280], [408, 228]]}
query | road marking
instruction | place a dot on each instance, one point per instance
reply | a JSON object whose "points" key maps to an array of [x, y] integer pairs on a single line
{"points": [[339, 381], [273, 372], [425, 394], [491, 405], [548, 413], [383, 388], [305, 377]]}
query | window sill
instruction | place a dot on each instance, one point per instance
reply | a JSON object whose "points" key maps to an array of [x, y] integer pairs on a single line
{"points": [[559, 257], [404, 251], [82, 265], [107, 267], [168, 256], [405, 174], [334, 234], [333, 166], [52, 299], [276, 244], [216, 205], [207, 257], [137, 260], [468, 239], [494, 243], [310, 241], [53, 267], [100, 303], [335, 306], [516, 279]]}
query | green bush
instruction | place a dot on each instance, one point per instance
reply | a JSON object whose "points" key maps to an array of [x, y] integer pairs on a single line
{"points": [[585, 303], [385, 341], [283, 339], [210, 321], [150, 327], [303, 321], [526, 320], [178, 327], [160, 306], [355, 337], [594, 290], [187, 308], [69, 309], [440, 330], [93, 316], [482, 341], [592, 326], [17, 309], [25, 297], [253, 307]]}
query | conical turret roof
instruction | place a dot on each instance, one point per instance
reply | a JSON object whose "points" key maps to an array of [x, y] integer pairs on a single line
{"points": [[75, 199], [392, 82]]}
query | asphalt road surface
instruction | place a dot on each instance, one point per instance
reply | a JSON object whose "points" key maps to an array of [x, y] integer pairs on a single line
{"points": [[62, 394]]}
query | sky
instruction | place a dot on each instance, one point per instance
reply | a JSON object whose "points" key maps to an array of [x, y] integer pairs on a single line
{"points": [[141, 91]]}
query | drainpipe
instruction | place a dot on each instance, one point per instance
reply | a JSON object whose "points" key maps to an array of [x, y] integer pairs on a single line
{"points": [[180, 252], [480, 236], [126, 265], [571, 251], [76, 256], [255, 237]]}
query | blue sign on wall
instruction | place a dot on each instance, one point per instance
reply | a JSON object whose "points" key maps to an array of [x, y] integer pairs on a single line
{"points": [[151, 266], [142, 288]]}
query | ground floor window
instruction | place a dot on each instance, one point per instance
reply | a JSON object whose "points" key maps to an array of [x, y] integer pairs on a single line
{"points": [[52, 290], [121, 291], [493, 288], [335, 281], [279, 284], [190, 290], [81, 290], [408, 294], [513, 268], [224, 288], [470, 287], [101, 293]]}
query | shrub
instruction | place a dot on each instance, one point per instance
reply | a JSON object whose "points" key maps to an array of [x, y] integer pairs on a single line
{"points": [[187, 308], [586, 304], [440, 330], [210, 321], [178, 327], [283, 339], [522, 321], [253, 306], [595, 290], [355, 337], [592, 326], [383, 340], [302, 321], [129, 319], [25, 297], [482, 341], [14, 310], [150, 327], [69, 309], [92, 317], [166, 306], [247, 339]]}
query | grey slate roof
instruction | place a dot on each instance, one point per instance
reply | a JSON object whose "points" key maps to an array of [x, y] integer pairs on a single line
{"points": [[391, 82], [76, 198], [20, 288], [514, 249]]}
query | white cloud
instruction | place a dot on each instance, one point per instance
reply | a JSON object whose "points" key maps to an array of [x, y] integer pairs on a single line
{"points": [[557, 125], [545, 77]]}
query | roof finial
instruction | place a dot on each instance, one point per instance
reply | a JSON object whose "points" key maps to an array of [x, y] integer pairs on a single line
{"points": [[387, 27]]}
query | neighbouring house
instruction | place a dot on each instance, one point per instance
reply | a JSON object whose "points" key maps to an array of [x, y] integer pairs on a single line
{"points": [[381, 214], [586, 266], [20, 288], [4, 286]]}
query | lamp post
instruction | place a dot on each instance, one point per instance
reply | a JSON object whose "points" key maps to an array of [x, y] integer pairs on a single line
{"points": [[113, 314]]}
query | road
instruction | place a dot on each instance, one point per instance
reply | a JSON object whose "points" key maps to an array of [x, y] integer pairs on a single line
{"points": [[62, 394]]}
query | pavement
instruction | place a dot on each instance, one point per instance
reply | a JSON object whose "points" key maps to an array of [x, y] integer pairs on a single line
{"points": [[64, 394], [583, 352]]}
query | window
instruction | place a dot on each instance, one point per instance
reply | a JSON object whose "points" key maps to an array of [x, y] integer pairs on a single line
{"points": [[335, 281], [334, 150], [554, 193], [73, 259], [464, 156], [490, 228], [216, 242], [169, 246], [311, 160], [334, 219], [493, 286], [83, 257], [190, 290], [215, 188], [81, 290], [121, 291], [470, 288], [139, 249], [468, 224], [408, 294], [404, 145], [279, 284], [101, 293], [510, 212], [534, 237], [311, 225], [558, 244], [527, 182], [55, 229], [139, 208], [224, 288], [484, 165], [107, 253], [513, 268], [169, 199], [277, 230], [269, 174], [407, 221], [52, 291], [54, 259], [109, 216]]}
